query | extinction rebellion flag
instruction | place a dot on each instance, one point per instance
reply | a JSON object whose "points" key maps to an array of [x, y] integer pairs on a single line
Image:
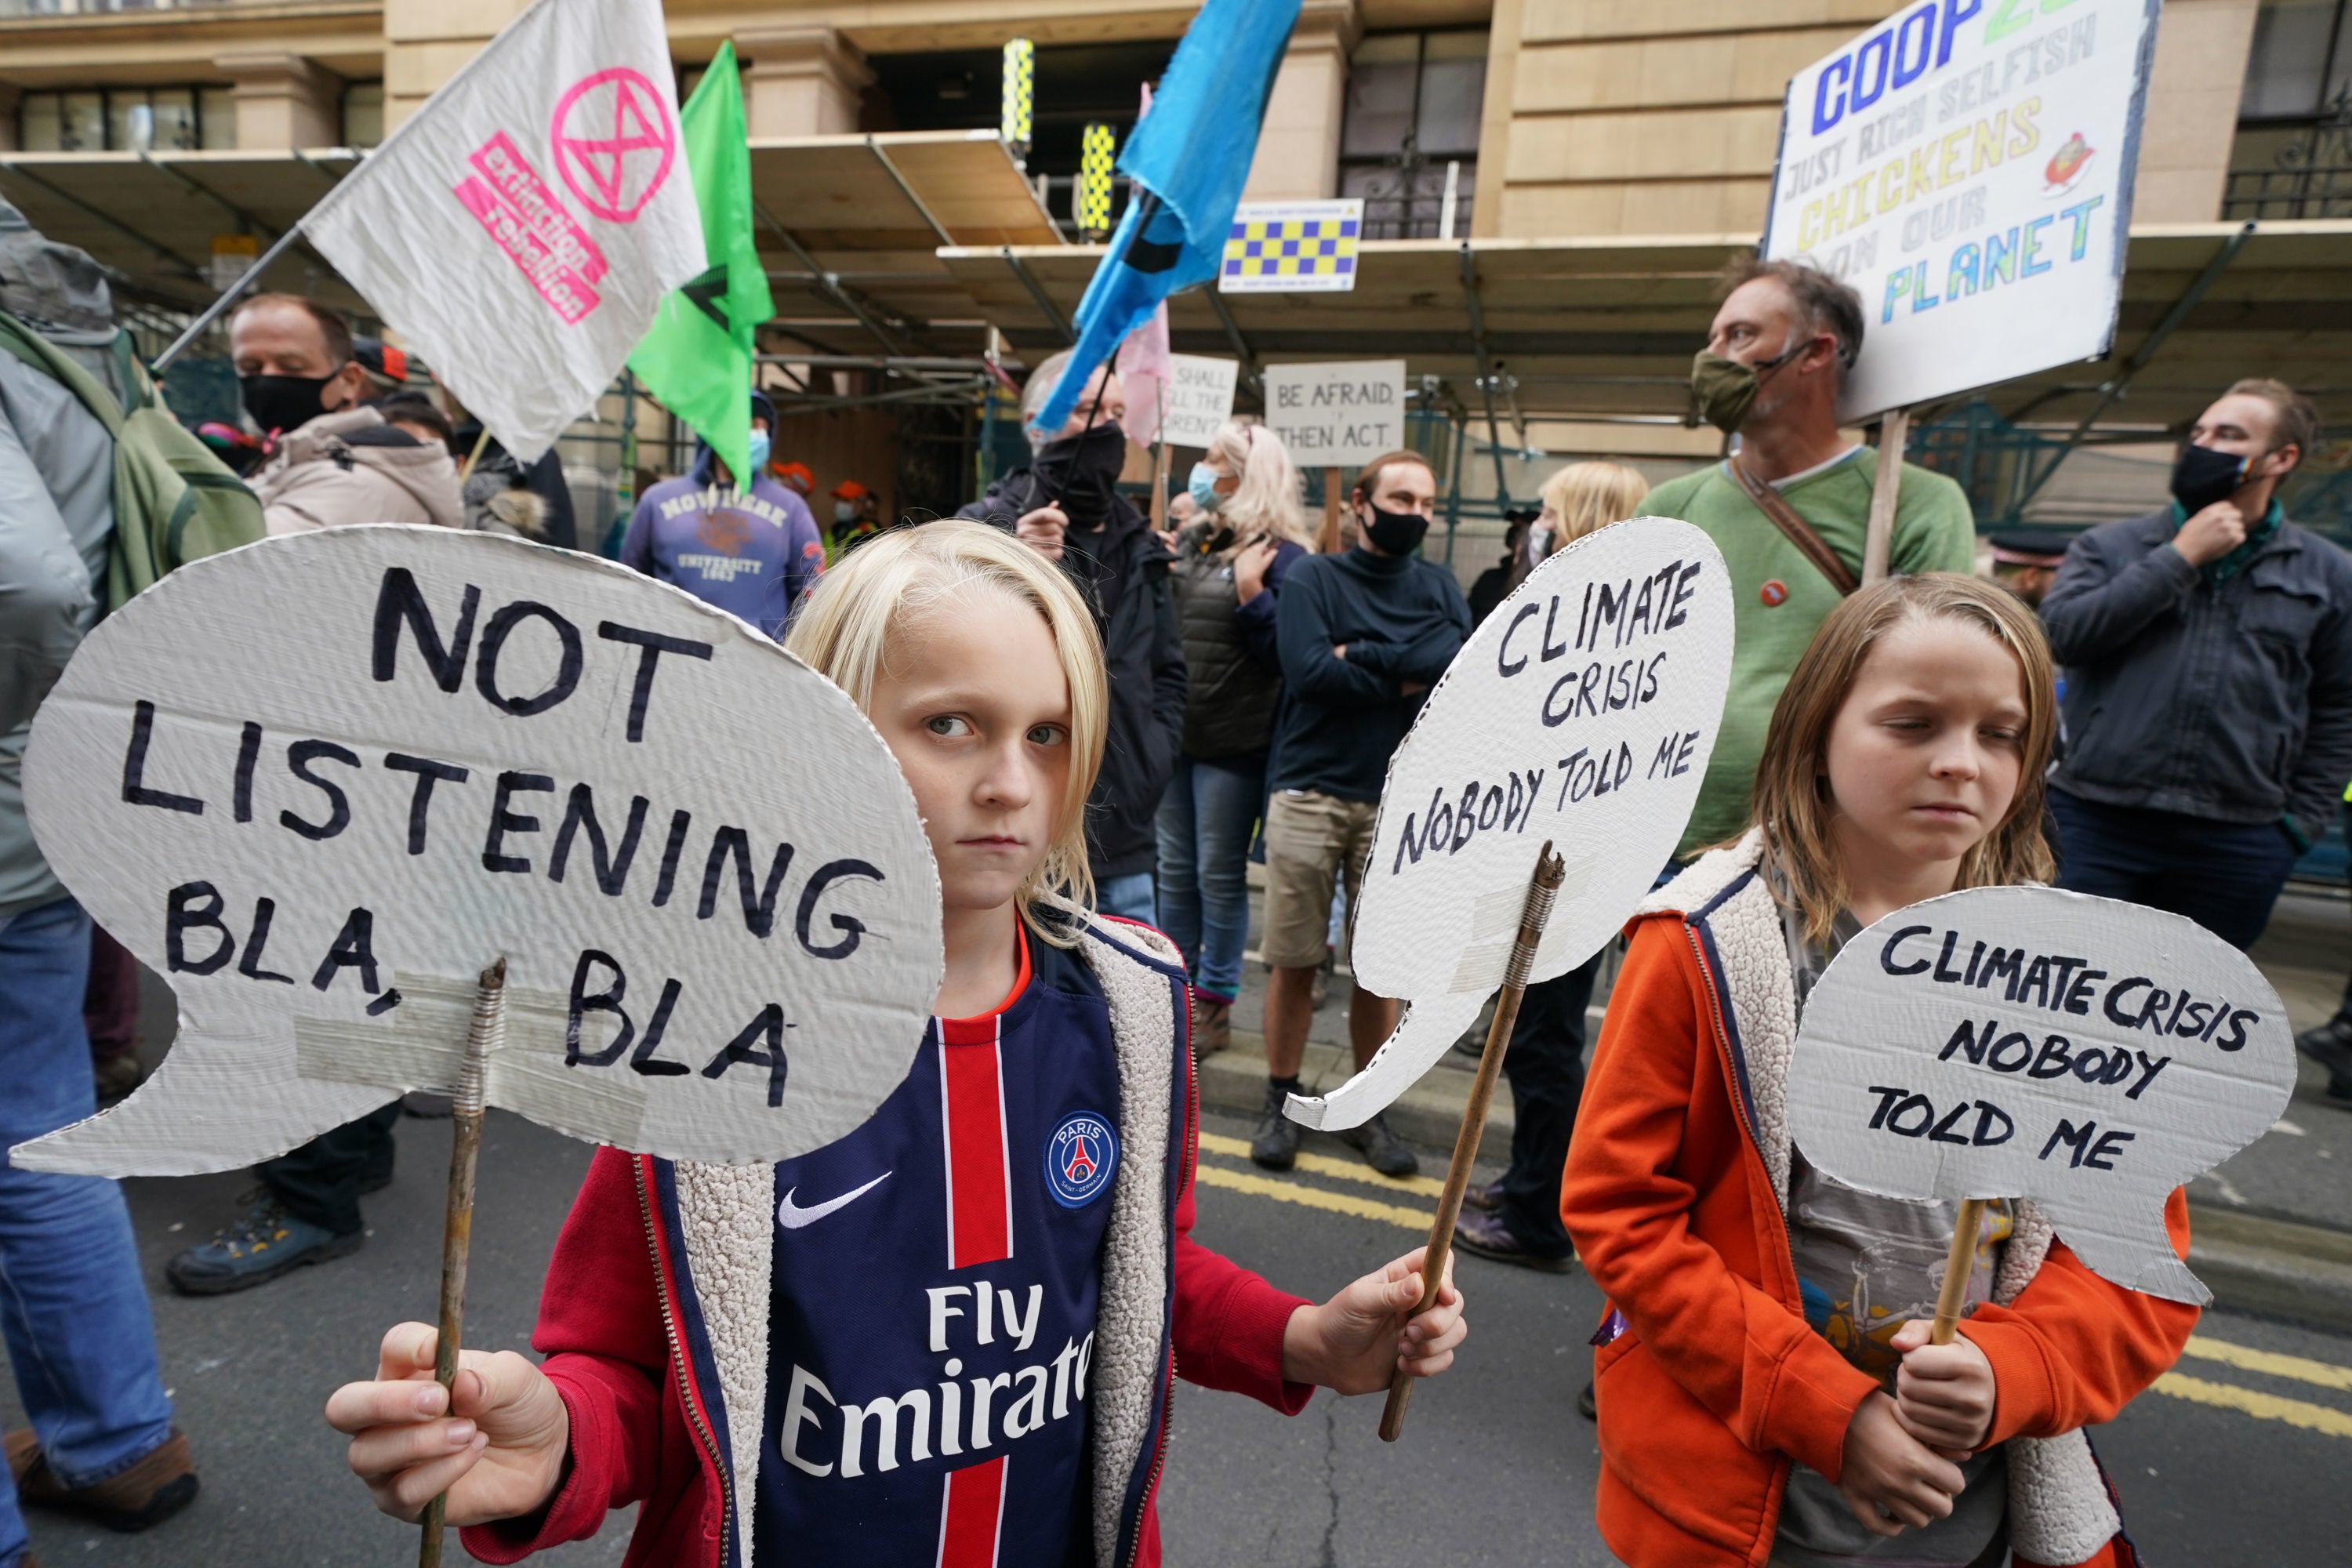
{"points": [[520, 229]]}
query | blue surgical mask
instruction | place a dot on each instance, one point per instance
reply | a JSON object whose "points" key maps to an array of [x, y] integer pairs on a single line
{"points": [[762, 444], [1203, 487]]}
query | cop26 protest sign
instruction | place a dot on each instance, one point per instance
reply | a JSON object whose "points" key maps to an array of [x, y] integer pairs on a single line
{"points": [[2029, 1043], [1967, 166], [320, 782], [1581, 711]]}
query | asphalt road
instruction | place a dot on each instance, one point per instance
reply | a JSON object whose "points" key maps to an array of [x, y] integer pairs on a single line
{"points": [[2244, 1456]]}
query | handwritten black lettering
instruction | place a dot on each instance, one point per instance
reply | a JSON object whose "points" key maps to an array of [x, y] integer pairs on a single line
{"points": [[651, 646], [134, 768]]}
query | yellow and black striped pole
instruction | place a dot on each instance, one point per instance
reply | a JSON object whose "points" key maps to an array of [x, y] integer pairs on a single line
{"points": [[1095, 155], [1019, 117]]}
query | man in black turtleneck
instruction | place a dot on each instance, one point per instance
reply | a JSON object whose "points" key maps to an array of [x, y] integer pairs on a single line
{"points": [[1363, 634]]}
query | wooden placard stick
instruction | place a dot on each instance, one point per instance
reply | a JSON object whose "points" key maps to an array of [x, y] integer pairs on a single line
{"points": [[481, 443], [1960, 1262], [1894, 430], [1328, 541], [466, 1108], [1542, 888]]}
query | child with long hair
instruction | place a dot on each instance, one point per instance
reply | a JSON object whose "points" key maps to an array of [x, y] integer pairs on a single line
{"points": [[1765, 1390], [970, 1365]]}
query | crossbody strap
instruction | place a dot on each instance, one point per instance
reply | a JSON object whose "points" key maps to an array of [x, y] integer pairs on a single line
{"points": [[1799, 532]]}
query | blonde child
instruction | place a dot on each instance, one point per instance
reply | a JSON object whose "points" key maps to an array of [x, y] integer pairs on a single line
{"points": [[1755, 1406], [966, 1360]]}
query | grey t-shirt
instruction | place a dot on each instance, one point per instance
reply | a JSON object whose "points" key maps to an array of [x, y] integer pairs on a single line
{"points": [[57, 519], [1866, 1264]]}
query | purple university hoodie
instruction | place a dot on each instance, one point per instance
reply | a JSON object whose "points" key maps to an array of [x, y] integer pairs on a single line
{"points": [[751, 553]]}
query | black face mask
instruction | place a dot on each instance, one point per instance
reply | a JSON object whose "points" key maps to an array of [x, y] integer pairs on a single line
{"points": [[1081, 472], [279, 403], [1394, 532], [2201, 475]]}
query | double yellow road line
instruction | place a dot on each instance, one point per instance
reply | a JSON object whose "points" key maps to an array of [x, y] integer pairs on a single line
{"points": [[2302, 1413]]}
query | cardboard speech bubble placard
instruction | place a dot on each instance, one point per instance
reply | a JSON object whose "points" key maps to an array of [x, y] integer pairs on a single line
{"points": [[2027, 1043], [318, 784], [1583, 711]]}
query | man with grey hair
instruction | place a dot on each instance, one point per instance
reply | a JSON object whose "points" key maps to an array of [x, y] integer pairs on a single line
{"points": [[1066, 506], [1790, 507], [1789, 510]]}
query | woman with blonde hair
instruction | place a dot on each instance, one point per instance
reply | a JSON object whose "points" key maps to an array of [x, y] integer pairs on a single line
{"points": [[1229, 564], [1516, 1219], [1579, 500]]}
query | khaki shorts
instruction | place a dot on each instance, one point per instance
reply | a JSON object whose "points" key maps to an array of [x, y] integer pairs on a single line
{"points": [[1311, 840]]}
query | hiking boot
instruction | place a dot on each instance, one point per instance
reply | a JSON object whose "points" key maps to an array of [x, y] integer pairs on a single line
{"points": [[145, 1493], [1487, 1197], [116, 1076], [265, 1242], [1213, 1024], [1275, 1144], [2330, 1046], [1486, 1236], [1383, 1150]]}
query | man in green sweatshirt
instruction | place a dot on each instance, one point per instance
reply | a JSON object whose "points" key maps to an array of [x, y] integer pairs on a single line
{"points": [[1770, 372]]}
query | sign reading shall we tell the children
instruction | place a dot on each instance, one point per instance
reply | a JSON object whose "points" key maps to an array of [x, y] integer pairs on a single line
{"points": [[321, 783], [1967, 165]]}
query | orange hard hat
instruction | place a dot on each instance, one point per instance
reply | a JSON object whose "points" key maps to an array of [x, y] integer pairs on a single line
{"points": [[796, 474], [849, 490]]}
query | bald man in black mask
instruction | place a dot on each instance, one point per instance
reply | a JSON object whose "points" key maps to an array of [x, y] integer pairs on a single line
{"points": [[1066, 506]]}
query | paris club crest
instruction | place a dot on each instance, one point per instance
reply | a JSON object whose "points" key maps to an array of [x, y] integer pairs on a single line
{"points": [[1079, 1159]]}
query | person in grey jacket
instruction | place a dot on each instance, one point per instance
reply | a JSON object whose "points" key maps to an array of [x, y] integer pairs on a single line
{"points": [[98, 1438], [2209, 680]]}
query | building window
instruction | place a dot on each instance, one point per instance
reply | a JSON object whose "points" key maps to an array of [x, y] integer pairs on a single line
{"points": [[2300, 64], [124, 119], [1414, 101], [362, 114], [2293, 157]]}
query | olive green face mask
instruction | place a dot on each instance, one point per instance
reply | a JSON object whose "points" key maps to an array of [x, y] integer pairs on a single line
{"points": [[1726, 388]]}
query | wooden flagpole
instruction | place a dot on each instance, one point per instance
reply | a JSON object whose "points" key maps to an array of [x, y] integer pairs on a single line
{"points": [[457, 1229], [1893, 429], [1542, 888]]}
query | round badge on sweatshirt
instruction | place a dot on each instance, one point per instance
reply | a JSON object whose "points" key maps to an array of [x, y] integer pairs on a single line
{"points": [[1079, 1159], [1774, 593]]}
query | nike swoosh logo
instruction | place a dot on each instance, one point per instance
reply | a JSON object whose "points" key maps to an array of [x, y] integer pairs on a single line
{"points": [[791, 1216]]}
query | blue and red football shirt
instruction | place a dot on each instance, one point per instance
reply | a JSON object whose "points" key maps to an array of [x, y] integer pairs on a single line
{"points": [[933, 1308]]}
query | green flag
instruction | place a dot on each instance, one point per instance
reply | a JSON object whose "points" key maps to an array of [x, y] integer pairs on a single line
{"points": [[696, 359]]}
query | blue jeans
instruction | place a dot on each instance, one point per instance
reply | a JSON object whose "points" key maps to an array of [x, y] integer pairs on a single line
{"points": [[1129, 896], [1206, 821], [73, 1309], [2225, 876]]}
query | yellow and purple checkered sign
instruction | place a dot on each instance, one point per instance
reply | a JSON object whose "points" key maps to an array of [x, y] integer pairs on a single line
{"points": [[1286, 247]]}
